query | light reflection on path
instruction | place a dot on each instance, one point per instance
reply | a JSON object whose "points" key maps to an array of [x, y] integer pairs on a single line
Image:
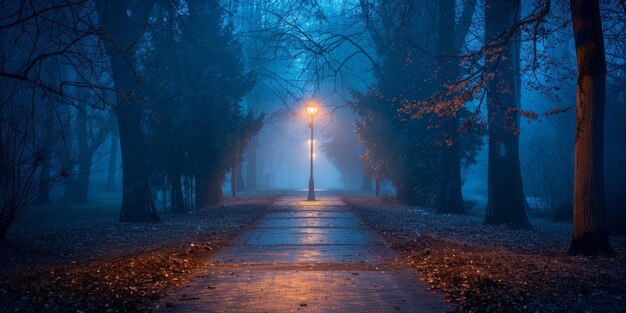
{"points": [[308, 257]]}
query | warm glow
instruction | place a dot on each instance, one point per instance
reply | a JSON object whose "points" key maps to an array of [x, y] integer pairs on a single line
{"points": [[311, 109]]}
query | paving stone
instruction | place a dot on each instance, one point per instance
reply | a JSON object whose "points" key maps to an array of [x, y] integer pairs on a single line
{"points": [[305, 257], [304, 254]]}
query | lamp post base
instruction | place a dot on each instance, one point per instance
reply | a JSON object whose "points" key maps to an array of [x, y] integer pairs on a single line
{"points": [[311, 196]]}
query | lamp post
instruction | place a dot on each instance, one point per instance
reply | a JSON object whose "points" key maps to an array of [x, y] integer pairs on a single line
{"points": [[311, 111]]}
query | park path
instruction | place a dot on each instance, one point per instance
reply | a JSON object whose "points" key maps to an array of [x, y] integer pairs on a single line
{"points": [[305, 257]]}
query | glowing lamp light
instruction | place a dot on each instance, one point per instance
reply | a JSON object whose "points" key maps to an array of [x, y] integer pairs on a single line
{"points": [[311, 109]]}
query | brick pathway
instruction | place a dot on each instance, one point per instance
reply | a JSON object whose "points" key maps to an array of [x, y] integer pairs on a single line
{"points": [[305, 257]]}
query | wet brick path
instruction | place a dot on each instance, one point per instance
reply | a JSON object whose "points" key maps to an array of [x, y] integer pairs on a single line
{"points": [[305, 257]]}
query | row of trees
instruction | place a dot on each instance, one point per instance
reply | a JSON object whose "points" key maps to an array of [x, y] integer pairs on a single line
{"points": [[164, 78], [172, 75], [424, 119]]}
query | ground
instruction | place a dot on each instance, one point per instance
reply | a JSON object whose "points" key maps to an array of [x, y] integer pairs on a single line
{"points": [[79, 258], [496, 268]]}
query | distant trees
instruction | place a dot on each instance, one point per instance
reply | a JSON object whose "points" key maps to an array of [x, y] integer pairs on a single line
{"points": [[21, 158], [68, 67], [92, 127], [40, 43], [198, 129], [395, 148], [343, 151], [178, 72], [407, 135]]}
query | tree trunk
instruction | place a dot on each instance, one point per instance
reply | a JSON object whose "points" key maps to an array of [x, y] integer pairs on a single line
{"points": [[80, 187], [590, 235], [451, 197], [208, 190], [377, 187], [251, 162], [81, 184], [137, 202], [216, 195], [112, 172], [123, 22], [405, 194], [233, 180], [67, 151], [241, 184], [43, 196], [506, 203], [202, 190], [177, 201], [366, 184]]}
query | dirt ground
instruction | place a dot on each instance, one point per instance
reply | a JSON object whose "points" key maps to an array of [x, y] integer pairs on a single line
{"points": [[79, 258], [496, 268]]}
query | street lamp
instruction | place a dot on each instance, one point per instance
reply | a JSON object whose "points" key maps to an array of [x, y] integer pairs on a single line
{"points": [[311, 110]]}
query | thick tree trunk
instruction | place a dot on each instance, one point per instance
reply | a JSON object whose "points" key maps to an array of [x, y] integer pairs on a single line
{"points": [[123, 22], [506, 203], [451, 197], [112, 171], [208, 190], [137, 202], [590, 235], [216, 194]]}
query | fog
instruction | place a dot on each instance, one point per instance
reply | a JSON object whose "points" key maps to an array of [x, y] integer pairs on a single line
{"points": [[423, 103]]}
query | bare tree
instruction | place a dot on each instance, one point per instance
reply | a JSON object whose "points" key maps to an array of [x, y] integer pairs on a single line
{"points": [[39, 41], [22, 153]]}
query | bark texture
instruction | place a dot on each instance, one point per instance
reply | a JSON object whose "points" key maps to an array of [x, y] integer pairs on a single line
{"points": [[590, 235], [123, 23], [506, 203]]}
